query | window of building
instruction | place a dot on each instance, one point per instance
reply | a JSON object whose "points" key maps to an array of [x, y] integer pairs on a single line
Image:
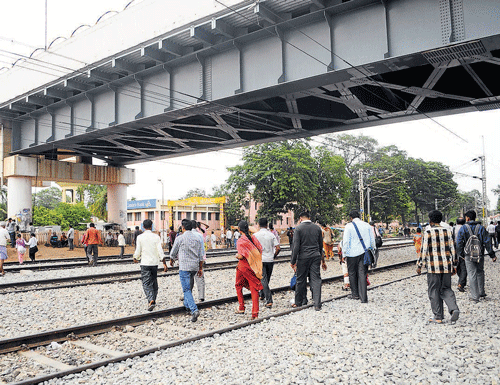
{"points": [[129, 217], [188, 215], [247, 205], [179, 215], [151, 215], [195, 216], [209, 216], [203, 216], [137, 217], [162, 215], [217, 216], [287, 220], [255, 205]]}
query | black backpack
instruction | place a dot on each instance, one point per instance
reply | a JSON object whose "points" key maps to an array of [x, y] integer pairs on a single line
{"points": [[473, 245]]}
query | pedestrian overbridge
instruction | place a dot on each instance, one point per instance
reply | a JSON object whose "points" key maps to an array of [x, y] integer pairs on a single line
{"points": [[262, 71]]}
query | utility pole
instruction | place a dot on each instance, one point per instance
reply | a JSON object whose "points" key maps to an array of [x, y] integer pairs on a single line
{"points": [[368, 213], [361, 195], [483, 178], [435, 204]]}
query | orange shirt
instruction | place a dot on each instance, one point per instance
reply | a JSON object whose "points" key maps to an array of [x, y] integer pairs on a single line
{"points": [[417, 240], [93, 236]]}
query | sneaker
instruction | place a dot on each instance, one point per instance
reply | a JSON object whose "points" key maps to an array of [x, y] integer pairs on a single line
{"points": [[460, 289], [435, 321], [454, 316], [473, 300], [483, 295], [201, 299], [151, 305], [195, 316]]}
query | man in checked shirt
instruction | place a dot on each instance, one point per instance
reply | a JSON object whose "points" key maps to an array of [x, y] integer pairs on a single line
{"points": [[189, 250], [438, 254]]}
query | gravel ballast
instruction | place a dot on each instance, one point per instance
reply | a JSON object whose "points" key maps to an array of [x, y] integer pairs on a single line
{"points": [[387, 341]]}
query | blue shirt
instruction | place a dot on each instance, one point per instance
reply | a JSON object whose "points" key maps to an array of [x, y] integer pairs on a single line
{"points": [[351, 245]]}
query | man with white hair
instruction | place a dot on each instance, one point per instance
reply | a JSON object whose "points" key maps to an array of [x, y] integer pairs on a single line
{"points": [[4, 237]]}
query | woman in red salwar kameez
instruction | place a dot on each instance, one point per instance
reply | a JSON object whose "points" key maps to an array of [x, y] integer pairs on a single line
{"points": [[249, 269]]}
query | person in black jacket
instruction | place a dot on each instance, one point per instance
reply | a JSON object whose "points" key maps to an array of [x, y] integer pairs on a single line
{"points": [[475, 270], [307, 256]]}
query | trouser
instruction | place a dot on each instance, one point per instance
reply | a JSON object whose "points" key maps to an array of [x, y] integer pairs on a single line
{"points": [[345, 272], [498, 238], [122, 251], [439, 290], [328, 250], [200, 284], [70, 243], [357, 277], [186, 277], [12, 239], [246, 278], [228, 242], [493, 239], [462, 272], [375, 256], [267, 271], [32, 253], [20, 256], [475, 271], [149, 279], [308, 267], [94, 251]]}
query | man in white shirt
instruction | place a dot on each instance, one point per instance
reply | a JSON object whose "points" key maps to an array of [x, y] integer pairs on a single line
{"points": [[491, 231], [353, 250], [4, 237], [71, 237], [236, 236], [213, 240], [270, 249], [148, 250], [229, 237]]}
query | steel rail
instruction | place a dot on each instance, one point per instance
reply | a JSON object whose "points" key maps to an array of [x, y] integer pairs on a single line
{"points": [[44, 338], [144, 352]]}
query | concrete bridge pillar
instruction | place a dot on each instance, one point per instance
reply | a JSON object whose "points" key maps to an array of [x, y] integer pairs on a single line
{"points": [[117, 204], [19, 203]]}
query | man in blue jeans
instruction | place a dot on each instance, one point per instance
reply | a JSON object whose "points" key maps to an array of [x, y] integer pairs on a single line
{"points": [[475, 270], [189, 250]]}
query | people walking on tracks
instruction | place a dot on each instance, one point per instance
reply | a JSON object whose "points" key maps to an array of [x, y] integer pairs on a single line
{"points": [[273, 231], [213, 240], [327, 241], [149, 252], [11, 228], [307, 257], [171, 238], [358, 236], [270, 250], [200, 279], [21, 248], [71, 238], [93, 240], [438, 254], [492, 233], [121, 243], [461, 268], [229, 238], [472, 242], [497, 232], [33, 247], [249, 269], [378, 244], [4, 238], [189, 251], [417, 241], [236, 236], [289, 234], [137, 232]]}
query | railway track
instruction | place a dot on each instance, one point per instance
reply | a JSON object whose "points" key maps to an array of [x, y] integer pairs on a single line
{"points": [[133, 333], [123, 276]]}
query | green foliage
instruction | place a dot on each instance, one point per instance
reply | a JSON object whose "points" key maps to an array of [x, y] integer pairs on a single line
{"points": [[233, 208], [95, 198], [64, 215], [48, 198], [195, 192], [288, 176]]}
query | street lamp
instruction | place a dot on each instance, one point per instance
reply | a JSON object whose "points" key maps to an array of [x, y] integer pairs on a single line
{"points": [[162, 204]]}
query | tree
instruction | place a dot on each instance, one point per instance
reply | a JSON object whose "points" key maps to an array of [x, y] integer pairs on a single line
{"points": [[64, 215], [48, 198], [195, 192], [95, 198], [233, 207], [286, 176]]}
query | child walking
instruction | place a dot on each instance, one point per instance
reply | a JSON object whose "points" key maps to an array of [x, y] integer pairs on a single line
{"points": [[21, 248]]}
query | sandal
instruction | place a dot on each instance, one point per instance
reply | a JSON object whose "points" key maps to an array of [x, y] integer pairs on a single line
{"points": [[435, 321], [239, 312], [294, 305], [269, 305]]}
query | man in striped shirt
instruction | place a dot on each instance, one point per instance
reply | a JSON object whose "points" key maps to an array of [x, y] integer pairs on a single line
{"points": [[438, 254]]}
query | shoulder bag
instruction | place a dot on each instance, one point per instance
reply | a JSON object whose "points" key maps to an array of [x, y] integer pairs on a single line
{"points": [[369, 258]]}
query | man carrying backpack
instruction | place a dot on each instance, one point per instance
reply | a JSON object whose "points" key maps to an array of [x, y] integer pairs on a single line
{"points": [[472, 240]]}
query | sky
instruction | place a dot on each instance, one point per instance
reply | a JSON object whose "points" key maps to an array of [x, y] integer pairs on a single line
{"points": [[423, 139]]}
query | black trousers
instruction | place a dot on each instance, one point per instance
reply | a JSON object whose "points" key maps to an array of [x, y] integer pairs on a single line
{"points": [[92, 250], [32, 253], [462, 272], [308, 267], [357, 277], [149, 279], [267, 271]]}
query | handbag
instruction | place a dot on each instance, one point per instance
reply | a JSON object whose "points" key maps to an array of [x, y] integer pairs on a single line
{"points": [[369, 258], [293, 282], [378, 241]]}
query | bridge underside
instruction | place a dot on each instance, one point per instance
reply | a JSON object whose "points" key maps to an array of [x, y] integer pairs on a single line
{"points": [[452, 79]]}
